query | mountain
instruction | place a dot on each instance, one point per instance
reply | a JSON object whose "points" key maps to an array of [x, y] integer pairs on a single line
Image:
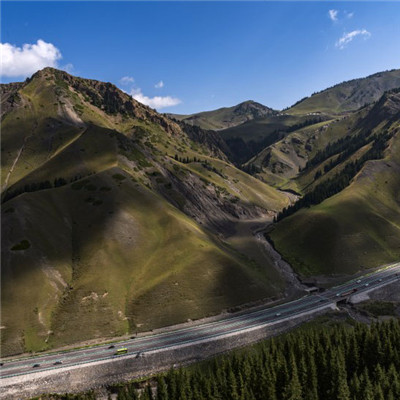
{"points": [[348, 96], [249, 138], [116, 219], [349, 217], [228, 116]]}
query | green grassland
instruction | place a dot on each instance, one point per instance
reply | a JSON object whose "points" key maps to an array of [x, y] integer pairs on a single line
{"points": [[131, 238], [349, 96], [356, 229], [227, 116]]}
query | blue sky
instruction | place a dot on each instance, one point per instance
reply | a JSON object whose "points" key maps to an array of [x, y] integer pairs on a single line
{"points": [[207, 55]]}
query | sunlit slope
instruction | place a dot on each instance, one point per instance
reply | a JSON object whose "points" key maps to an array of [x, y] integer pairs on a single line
{"points": [[356, 229], [227, 116], [350, 95], [112, 218], [283, 163]]}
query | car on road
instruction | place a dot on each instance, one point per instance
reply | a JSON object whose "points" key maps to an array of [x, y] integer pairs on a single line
{"points": [[380, 280], [1, 364], [122, 350], [57, 362], [278, 314], [35, 365], [111, 347], [367, 284], [359, 281]]}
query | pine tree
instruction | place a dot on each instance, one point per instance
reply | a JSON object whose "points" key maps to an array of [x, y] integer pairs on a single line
{"points": [[293, 390], [162, 393]]}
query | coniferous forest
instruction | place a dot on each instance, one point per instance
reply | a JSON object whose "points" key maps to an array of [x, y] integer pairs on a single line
{"points": [[322, 363]]}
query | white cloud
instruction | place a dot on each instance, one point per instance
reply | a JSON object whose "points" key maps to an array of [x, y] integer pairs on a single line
{"points": [[349, 14], [25, 60], [126, 80], [68, 68], [348, 37], [159, 85], [333, 15], [156, 102]]}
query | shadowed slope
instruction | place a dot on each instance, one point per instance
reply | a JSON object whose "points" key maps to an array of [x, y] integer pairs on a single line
{"points": [[112, 218]]}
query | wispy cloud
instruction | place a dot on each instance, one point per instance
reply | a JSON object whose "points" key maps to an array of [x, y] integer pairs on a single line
{"points": [[25, 60], [333, 15], [349, 14], [126, 80], [68, 68], [348, 37], [156, 102], [159, 85]]}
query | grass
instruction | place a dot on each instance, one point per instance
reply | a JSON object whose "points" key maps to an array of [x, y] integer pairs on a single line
{"points": [[349, 96], [106, 258], [149, 256], [378, 308], [357, 229]]}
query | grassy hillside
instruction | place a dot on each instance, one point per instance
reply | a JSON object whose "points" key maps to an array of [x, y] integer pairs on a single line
{"points": [[114, 219], [350, 95], [227, 116], [359, 227], [248, 139]]}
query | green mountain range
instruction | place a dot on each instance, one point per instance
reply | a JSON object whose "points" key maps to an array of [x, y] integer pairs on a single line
{"points": [[227, 117], [114, 217], [118, 219]]}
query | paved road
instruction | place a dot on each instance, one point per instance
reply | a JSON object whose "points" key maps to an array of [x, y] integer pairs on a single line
{"points": [[253, 319]]}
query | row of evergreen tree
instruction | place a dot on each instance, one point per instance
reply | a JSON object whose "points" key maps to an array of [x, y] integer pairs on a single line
{"points": [[187, 160], [344, 146], [341, 180], [323, 363], [34, 187], [300, 125]]}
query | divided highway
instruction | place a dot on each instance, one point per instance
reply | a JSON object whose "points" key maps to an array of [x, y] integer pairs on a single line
{"points": [[207, 331]]}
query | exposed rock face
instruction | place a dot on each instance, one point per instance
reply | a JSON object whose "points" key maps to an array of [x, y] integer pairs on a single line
{"points": [[252, 110]]}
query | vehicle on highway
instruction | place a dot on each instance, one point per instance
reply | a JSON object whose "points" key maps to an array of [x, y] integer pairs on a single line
{"points": [[359, 281], [367, 284], [349, 292], [57, 362], [35, 365], [278, 314], [380, 280], [1, 364], [122, 350], [111, 347]]}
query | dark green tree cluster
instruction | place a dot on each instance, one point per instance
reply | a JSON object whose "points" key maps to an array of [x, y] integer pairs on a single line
{"points": [[300, 125], [34, 187], [251, 169], [328, 364], [323, 363], [187, 160], [344, 147], [243, 151], [341, 180]]}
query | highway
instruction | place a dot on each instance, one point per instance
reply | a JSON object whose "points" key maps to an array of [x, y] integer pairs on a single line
{"points": [[184, 336]]}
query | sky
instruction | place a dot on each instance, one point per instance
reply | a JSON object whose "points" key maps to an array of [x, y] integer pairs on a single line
{"points": [[186, 57]]}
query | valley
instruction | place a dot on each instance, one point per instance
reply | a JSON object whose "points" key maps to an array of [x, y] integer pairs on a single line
{"points": [[110, 209]]}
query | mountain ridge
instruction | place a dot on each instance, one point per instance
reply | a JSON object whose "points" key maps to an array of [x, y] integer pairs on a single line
{"points": [[111, 210]]}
